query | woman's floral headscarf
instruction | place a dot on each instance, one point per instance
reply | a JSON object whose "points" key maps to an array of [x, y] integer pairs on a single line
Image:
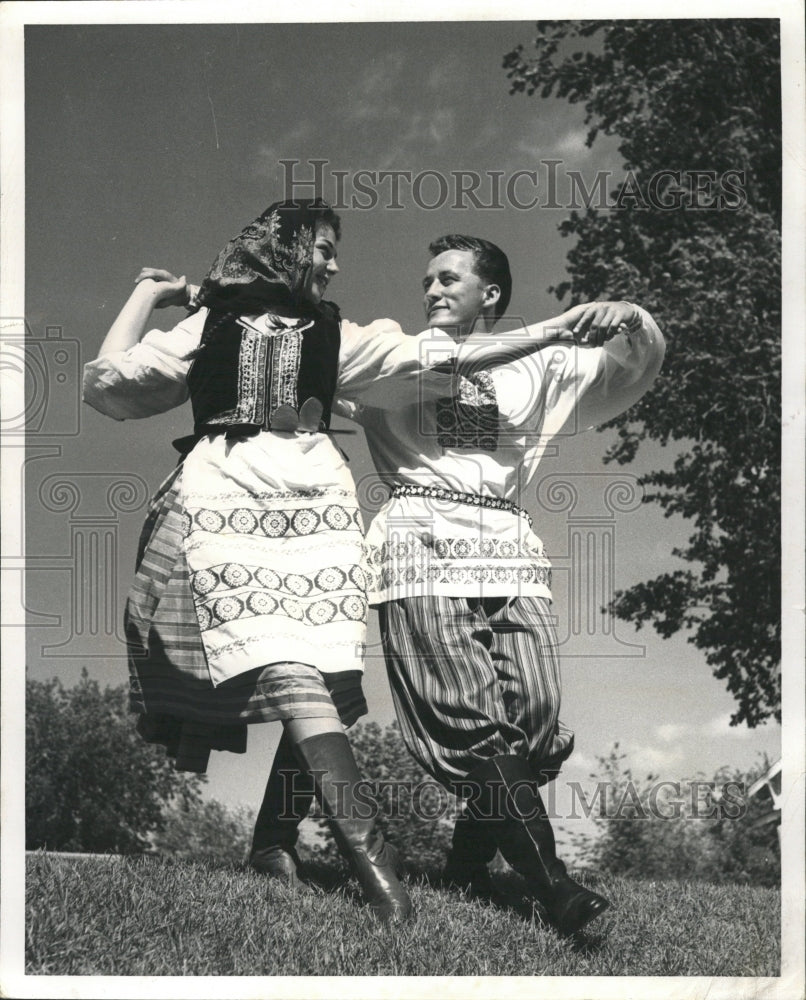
{"points": [[267, 263]]}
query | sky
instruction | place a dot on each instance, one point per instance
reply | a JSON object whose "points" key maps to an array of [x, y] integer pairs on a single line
{"points": [[152, 145]]}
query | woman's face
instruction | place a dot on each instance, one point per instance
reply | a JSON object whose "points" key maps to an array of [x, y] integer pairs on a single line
{"points": [[324, 266]]}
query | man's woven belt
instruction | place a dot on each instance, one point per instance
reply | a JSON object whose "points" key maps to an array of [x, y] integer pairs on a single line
{"points": [[454, 496]]}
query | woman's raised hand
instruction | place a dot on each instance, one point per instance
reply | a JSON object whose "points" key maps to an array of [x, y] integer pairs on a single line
{"points": [[153, 289], [167, 289], [594, 323]]}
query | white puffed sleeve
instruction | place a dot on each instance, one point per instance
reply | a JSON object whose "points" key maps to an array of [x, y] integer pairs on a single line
{"points": [[586, 387], [149, 378], [382, 367]]}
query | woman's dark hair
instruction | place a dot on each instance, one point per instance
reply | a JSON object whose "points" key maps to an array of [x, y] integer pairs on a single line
{"points": [[490, 263], [324, 213], [265, 265]]}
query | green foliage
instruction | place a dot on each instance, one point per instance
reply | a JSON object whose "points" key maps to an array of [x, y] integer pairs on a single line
{"points": [[414, 812], [209, 829], [690, 836], [92, 784], [688, 96], [149, 917]]}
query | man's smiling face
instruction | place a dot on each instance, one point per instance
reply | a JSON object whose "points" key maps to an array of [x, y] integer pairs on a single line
{"points": [[454, 295]]}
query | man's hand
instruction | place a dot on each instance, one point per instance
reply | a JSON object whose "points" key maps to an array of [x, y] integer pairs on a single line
{"points": [[166, 288], [594, 323]]}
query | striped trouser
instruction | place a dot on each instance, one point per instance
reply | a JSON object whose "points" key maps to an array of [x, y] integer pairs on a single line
{"points": [[472, 679]]}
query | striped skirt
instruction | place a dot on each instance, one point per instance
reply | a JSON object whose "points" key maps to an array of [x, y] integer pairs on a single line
{"points": [[170, 686]]}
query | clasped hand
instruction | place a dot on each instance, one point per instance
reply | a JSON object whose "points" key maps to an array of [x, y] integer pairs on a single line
{"points": [[594, 323], [591, 323], [167, 289]]}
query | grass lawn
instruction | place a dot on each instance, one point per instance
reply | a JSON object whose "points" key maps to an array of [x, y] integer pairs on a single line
{"points": [[150, 917]]}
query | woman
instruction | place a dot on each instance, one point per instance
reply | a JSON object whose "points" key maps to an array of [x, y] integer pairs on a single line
{"points": [[249, 602]]}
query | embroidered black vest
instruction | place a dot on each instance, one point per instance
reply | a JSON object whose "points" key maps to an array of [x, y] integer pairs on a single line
{"points": [[242, 377]]}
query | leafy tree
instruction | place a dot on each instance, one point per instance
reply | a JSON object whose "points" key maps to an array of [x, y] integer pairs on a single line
{"points": [[196, 830], [747, 849], [92, 784], [414, 812], [687, 96], [708, 832], [624, 843]]}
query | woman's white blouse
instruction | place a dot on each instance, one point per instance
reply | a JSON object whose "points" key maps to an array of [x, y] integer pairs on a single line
{"points": [[378, 365]]}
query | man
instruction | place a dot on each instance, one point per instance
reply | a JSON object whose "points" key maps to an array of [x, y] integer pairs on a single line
{"points": [[460, 580]]}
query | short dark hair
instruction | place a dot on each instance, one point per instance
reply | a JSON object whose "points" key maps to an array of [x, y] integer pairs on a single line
{"points": [[490, 263]]}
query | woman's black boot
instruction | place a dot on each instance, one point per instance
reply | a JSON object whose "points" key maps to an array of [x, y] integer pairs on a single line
{"points": [[330, 761], [286, 802]]}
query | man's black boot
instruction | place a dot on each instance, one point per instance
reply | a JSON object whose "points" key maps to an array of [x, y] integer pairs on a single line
{"points": [[473, 847], [508, 791]]}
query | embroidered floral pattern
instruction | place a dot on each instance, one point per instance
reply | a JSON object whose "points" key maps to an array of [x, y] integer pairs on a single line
{"points": [[268, 370], [234, 576], [259, 603], [285, 354], [262, 240], [456, 496], [274, 523], [418, 549], [243, 521], [336, 517], [470, 419], [292, 595], [418, 565], [344, 649], [209, 520], [305, 522], [332, 578], [417, 577], [252, 364], [198, 498]]}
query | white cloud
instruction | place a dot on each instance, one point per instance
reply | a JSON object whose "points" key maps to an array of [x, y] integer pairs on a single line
{"points": [[445, 72], [291, 145], [375, 89], [643, 759], [579, 761], [662, 761], [670, 732], [720, 726], [572, 143], [533, 151], [433, 127]]}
